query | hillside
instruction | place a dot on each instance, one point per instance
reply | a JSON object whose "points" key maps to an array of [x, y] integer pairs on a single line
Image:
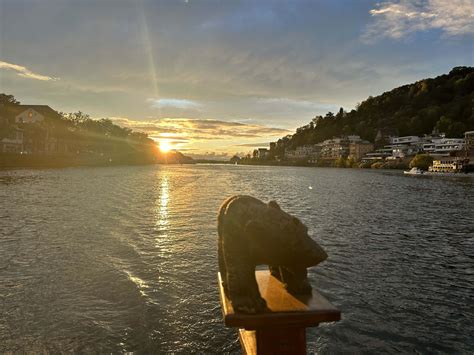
{"points": [[444, 103], [72, 139]]}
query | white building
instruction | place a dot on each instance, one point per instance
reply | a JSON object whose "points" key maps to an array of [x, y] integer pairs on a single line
{"points": [[309, 151], [406, 140], [444, 146]]}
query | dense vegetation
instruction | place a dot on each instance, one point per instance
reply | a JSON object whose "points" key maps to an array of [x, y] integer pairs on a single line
{"points": [[79, 134], [444, 103], [421, 161]]}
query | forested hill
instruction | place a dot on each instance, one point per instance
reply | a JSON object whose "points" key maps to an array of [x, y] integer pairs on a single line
{"points": [[445, 103]]}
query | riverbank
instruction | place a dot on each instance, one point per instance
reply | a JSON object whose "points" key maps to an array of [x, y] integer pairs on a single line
{"points": [[12, 160], [62, 161], [393, 164]]}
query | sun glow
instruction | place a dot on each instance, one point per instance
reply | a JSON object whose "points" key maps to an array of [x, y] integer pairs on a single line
{"points": [[165, 146]]}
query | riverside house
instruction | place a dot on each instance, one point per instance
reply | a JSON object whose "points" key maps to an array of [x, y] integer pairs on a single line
{"points": [[30, 132]]}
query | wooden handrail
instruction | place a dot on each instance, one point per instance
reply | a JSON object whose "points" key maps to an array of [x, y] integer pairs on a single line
{"points": [[282, 328]]}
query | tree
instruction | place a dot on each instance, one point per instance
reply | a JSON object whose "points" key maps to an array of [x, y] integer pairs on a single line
{"points": [[443, 124], [340, 163], [421, 161], [444, 103], [8, 100], [235, 159]]}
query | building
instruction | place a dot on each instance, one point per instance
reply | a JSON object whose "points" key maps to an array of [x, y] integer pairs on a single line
{"points": [[309, 152], [262, 153], [358, 149], [13, 142], [334, 148], [402, 147], [379, 154], [22, 139], [407, 140], [33, 113], [443, 145]]}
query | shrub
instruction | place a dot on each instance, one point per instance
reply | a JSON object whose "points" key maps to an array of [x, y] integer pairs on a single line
{"points": [[421, 161]]}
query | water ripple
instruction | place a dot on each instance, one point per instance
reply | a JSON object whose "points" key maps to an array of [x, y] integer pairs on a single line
{"points": [[121, 259]]}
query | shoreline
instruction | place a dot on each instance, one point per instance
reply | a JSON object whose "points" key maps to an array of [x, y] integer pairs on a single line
{"points": [[57, 161]]}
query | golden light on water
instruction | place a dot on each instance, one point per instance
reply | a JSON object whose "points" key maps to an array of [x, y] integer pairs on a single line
{"points": [[162, 212], [162, 207]]}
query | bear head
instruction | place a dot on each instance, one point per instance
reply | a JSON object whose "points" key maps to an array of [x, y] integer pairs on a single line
{"points": [[284, 241]]}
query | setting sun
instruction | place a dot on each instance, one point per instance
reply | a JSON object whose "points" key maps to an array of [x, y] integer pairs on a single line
{"points": [[165, 146]]}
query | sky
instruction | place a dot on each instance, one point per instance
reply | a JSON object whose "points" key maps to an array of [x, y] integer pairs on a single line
{"points": [[215, 78]]}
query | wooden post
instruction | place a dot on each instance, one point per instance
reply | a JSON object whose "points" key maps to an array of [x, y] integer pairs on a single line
{"points": [[281, 329]]}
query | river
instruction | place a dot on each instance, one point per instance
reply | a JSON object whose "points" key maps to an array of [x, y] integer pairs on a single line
{"points": [[121, 259]]}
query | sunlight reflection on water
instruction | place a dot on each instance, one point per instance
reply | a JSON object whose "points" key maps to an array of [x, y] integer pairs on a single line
{"points": [[124, 259], [162, 215]]}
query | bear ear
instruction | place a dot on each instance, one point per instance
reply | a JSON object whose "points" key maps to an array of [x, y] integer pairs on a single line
{"points": [[296, 221], [273, 204]]}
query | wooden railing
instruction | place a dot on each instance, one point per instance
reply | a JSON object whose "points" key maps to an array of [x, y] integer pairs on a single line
{"points": [[281, 329]]}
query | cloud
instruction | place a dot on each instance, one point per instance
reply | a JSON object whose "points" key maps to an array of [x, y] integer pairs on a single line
{"points": [[254, 145], [204, 135], [177, 103], [186, 129], [398, 19], [25, 72]]}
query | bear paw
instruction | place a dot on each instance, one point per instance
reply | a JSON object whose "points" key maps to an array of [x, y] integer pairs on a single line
{"points": [[248, 304]]}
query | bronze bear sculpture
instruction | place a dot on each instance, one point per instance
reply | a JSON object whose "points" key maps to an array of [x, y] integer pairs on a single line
{"points": [[252, 233]]}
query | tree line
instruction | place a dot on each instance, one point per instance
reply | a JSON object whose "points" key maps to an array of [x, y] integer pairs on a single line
{"points": [[78, 133], [444, 103]]}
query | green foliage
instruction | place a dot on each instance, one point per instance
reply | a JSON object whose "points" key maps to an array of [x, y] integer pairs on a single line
{"points": [[377, 165], [421, 161], [352, 163], [365, 165], [78, 133], [444, 103], [340, 163], [8, 100], [234, 159]]}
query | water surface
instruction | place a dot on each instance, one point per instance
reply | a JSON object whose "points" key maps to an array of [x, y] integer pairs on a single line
{"points": [[124, 258]]}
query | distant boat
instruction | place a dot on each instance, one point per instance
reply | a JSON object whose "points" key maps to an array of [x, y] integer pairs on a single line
{"points": [[414, 171]]}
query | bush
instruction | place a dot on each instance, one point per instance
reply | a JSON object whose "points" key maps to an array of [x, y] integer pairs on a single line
{"points": [[366, 165], [377, 165], [421, 161], [340, 163]]}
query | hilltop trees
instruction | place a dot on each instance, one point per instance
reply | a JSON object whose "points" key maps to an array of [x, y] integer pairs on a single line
{"points": [[8, 100], [443, 103]]}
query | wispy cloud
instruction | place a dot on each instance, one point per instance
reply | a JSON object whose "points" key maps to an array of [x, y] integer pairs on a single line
{"points": [[25, 72], [254, 145], [177, 103], [186, 129], [203, 136], [398, 19]]}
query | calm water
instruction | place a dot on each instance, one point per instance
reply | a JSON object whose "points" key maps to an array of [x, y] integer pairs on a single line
{"points": [[124, 259]]}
